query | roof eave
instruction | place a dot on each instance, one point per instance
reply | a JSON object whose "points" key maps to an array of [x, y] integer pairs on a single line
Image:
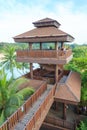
{"points": [[62, 38]]}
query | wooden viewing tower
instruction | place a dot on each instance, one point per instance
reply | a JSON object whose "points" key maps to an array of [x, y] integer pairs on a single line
{"points": [[51, 58], [51, 55]]}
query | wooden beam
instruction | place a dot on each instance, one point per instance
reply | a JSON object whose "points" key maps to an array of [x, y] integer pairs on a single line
{"points": [[31, 71], [65, 101]]}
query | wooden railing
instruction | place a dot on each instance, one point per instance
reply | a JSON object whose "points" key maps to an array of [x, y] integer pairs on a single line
{"points": [[60, 122], [60, 54], [42, 111], [16, 116]]}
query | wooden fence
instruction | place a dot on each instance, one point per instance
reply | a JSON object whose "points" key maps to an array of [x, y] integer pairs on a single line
{"points": [[16, 116]]}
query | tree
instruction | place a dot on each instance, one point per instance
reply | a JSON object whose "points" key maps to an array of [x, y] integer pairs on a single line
{"points": [[9, 61], [82, 125], [10, 96], [79, 64]]}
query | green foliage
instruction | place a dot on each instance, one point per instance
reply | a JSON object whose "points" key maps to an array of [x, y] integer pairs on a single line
{"points": [[80, 51], [83, 125], [10, 97], [79, 64], [9, 61], [84, 79], [14, 102], [26, 92], [2, 118], [84, 96], [44, 46]]}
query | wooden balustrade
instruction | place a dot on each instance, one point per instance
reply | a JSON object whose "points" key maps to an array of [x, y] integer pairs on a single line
{"points": [[60, 54], [16, 116], [4, 126]]}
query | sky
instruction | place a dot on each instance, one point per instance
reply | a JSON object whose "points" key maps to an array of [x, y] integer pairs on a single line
{"points": [[16, 17]]}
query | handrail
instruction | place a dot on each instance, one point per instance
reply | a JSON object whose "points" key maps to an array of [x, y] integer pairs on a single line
{"points": [[16, 116]]}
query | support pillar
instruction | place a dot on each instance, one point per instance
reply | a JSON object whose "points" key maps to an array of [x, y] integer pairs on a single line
{"points": [[56, 74], [31, 65], [56, 45], [62, 44], [40, 45], [56, 69], [30, 46], [64, 111], [31, 71], [56, 48]]}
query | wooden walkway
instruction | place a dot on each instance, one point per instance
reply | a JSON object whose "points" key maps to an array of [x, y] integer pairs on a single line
{"points": [[35, 115]]}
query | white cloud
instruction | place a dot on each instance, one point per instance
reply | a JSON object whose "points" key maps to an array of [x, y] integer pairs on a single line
{"points": [[19, 19]]}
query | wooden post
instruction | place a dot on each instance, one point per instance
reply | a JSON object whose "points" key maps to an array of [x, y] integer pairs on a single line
{"points": [[30, 46], [64, 111], [56, 74], [40, 45], [31, 67], [56, 69], [56, 48], [31, 71], [56, 45], [62, 44]]}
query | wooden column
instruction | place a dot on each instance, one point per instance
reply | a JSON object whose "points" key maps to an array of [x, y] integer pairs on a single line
{"points": [[30, 46], [56, 45], [56, 74], [40, 45], [62, 44], [31, 70], [31, 65], [56, 48], [64, 111], [56, 68]]}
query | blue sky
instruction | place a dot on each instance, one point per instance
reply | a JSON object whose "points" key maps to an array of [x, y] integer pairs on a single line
{"points": [[16, 16]]}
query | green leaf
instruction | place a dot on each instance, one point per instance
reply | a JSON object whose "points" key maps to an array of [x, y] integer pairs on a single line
{"points": [[2, 118]]}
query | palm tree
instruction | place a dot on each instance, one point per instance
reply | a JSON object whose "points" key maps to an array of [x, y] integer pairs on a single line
{"points": [[9, 60], [10, 96]]}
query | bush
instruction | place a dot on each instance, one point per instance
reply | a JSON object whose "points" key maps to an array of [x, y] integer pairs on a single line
{"points": [[26, 92]]}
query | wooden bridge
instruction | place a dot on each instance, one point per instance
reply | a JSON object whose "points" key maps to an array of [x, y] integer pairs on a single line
{"points": [[32, 113]]}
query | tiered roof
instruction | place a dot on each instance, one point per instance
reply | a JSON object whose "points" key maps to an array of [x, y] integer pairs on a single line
{"points": [[47, 30]]}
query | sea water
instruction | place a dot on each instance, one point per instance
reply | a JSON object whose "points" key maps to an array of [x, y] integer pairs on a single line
{"points": [[19, 72]]}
